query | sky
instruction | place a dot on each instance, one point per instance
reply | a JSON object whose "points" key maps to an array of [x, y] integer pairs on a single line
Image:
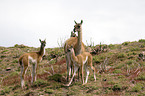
{"points": [[105, 21]]}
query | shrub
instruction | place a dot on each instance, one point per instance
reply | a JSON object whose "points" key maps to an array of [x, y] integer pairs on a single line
{"points": [[117, 71], [134, 49], [141, 76], [119, 65], [125, 43], [142, 40], [137, 87], [3, 56], [117, 87], [6, 90], [111, 46], [16, 87], [4, 51], [40, 83], [121, 55], [56, 77], [49, 91], [15, 61], [130, 62]]}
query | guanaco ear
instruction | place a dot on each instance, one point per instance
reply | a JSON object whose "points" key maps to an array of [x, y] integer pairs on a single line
{"points": [[68, 46], [40, 40], [81, 21], [75, 22]]}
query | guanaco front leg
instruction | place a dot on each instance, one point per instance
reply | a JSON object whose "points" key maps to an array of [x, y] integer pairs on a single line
{"points": [[75, 70], [82, 73]]}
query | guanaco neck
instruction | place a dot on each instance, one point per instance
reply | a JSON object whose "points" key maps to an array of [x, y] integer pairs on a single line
{"points": [[79, 43], [73, 57], [42, 50]]}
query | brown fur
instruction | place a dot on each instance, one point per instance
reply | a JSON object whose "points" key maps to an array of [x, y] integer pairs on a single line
{"points": [[79, 61], [79, 46], [73, 41], [33, 58]]}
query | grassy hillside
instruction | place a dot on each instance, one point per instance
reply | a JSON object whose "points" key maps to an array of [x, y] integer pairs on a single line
{"points": [[119, 72]]}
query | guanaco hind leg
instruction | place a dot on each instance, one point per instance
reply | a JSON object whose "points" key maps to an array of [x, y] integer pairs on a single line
{"points": [[87, 73], [34, 67], [93, 69], [24, 68]]}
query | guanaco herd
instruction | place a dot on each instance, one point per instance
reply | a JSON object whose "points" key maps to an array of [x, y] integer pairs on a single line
{"points": [[75, 54]]}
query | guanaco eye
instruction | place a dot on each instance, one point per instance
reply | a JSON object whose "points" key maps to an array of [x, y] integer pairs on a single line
{"points": [[78, 26], [68, 50]]}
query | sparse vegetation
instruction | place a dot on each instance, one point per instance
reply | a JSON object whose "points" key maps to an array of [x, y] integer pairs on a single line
{"points": [[124, 73]]}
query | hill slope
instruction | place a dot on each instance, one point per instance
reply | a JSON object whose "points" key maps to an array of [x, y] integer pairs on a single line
{"points": [[119, 72]]}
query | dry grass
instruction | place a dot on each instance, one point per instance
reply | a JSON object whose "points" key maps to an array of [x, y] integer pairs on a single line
{"points": [[123, 73]]}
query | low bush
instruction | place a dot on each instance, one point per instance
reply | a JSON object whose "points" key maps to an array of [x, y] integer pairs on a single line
{"points": [[40, 83], [141, 40], [137, 88], [117, 87], [141, 76]]}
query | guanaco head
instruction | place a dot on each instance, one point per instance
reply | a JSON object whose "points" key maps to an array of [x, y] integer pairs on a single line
{"points": [[43, 43], [78, 26], [73, 34], [70, 49]]}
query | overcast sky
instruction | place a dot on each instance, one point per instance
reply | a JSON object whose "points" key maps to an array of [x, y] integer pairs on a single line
{"points": [[106, 21]]}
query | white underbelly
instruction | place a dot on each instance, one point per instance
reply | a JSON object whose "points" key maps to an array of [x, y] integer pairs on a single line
{"points": [[32, 60], [85, 60]]}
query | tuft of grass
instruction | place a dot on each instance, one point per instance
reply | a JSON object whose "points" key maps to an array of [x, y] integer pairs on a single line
{"points": [[121, 55]]}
